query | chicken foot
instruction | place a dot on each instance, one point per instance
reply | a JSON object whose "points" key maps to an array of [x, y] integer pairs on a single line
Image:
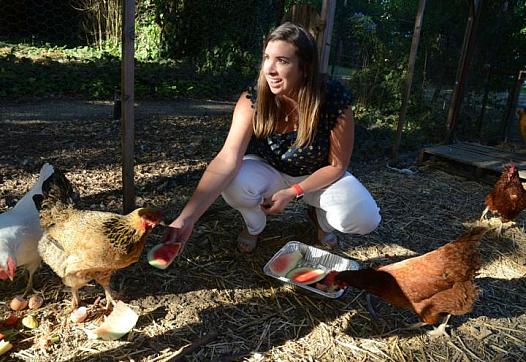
{"points": [[441, 329], [501, 225], [109, 297], [74, 298], [484, 213], [370, 307], [490, 222], [29, 287], [436, 332], [104, 281]]}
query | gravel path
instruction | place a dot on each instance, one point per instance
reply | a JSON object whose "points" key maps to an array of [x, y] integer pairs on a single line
{"points": [[72, 109]]}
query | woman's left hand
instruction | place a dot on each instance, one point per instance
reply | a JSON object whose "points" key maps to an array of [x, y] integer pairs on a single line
{"points": [[277, 203]]}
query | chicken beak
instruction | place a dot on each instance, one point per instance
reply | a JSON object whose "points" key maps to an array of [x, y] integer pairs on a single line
{"points": [[162, 223]]}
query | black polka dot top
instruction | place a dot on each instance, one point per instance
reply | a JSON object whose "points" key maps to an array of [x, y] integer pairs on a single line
{"points": [[278, 149]]}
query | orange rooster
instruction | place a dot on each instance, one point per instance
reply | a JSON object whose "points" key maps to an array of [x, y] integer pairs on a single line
{"points": [[438, 283], [81, 245], [508, 197]]}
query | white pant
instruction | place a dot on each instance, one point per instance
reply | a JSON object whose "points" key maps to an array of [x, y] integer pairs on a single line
{"points": [[345, 205]]}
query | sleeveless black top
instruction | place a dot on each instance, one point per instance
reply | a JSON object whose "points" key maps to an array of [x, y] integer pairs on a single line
{"points": [[278, 149]]}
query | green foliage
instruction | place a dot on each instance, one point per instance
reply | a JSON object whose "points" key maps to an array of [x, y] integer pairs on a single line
{"points": [[30, 70], [212, 34], [147, 32], [226, 58], [377, 86]]}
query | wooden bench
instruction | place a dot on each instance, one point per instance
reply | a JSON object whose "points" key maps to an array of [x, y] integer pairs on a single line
{"points": [[474, 160]]}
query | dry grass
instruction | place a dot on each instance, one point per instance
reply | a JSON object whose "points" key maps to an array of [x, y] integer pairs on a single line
{"points": [[215, 304]]}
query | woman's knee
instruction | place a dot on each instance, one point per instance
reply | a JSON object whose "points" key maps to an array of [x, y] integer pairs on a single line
{"points": [[361, 220], [240, 193], [350, 207], [365, 225]]}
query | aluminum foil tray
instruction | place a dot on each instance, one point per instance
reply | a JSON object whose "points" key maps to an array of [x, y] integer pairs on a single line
{"points": [[314, 258]]}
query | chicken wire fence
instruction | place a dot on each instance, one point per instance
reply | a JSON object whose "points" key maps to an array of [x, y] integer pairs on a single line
{"points": [[205, 49], [177, 44]]}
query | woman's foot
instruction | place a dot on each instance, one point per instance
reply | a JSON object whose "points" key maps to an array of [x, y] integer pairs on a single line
{"points": [[246, 243], [327, 239]]}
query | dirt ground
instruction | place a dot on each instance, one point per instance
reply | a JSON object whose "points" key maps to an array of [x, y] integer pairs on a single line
{"points": [[216, 304]]}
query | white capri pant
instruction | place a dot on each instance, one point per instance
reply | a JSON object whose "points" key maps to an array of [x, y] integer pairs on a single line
{"points": [[345, 205]]}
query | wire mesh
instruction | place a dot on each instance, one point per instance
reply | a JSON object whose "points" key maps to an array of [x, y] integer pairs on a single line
{"points": [[212, 49]]}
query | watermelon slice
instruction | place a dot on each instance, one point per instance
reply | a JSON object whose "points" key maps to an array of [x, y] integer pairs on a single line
{"points": [[120, 321], [306, 275], [162, 255], [285, 263]]}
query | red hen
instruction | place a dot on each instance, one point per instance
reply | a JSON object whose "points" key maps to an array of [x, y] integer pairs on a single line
{"points": [[508, 197], [437, 283]]}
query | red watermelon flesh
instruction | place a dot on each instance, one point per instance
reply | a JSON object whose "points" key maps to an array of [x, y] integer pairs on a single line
{"points": [[285, 263], [306, 275], [162, 255]]}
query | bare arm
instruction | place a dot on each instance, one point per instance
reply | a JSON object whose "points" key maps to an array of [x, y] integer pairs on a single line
{"points": [[342, 142], [218, 174]]}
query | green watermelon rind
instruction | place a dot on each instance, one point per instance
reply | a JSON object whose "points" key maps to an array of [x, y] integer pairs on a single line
{"points": [[155, 262], [295, 258]]}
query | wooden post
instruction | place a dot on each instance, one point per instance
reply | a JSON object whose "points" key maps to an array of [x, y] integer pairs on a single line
{"points": [[463, 66], [127, 101], [409, 78], [327, 15]]}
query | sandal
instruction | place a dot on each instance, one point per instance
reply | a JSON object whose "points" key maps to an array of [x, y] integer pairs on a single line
{"points": [[327, 239], [246, 243]]}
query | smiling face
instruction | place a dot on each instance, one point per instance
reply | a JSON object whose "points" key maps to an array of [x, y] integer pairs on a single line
{"points": [[281, 67]]}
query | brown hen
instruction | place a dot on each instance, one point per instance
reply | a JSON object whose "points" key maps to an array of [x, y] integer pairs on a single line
{"points": [[82, 245], [508, 197], [432, 285]]}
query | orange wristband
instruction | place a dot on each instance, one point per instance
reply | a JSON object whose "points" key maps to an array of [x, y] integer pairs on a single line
{"points": [[298, 189]]}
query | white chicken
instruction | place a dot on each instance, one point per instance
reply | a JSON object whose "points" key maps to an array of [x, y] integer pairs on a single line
{"points": [[20, 232]]}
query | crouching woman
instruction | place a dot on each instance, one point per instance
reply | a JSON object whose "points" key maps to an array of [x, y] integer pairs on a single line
{"points": [[291, 137]]}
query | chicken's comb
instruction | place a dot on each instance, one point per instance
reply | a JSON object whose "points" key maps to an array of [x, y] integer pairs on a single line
{"points": [[511, 170], [511, 166]]}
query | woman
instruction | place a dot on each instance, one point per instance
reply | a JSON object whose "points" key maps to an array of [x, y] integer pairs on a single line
{"points": [[291, 137]]}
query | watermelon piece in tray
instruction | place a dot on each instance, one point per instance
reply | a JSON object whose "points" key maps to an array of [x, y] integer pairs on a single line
{"points": [[306, 266]]}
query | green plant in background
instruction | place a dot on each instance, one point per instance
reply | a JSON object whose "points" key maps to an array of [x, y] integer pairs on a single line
{"points": [[147, 32], [101, 21], [225, 58]]}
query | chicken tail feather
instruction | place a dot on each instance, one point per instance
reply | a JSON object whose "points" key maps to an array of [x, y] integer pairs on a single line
{"points": [[55, 189], [57, 194]]}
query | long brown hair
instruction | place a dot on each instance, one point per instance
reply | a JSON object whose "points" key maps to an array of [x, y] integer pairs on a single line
{"points": [[268, 105]]}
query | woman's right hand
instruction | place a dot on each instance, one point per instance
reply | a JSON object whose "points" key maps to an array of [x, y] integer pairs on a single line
{"points": [[178, 231]]}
